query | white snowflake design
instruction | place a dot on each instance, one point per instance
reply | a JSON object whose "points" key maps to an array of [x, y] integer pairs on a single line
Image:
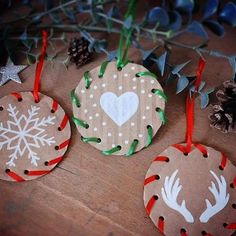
{"points": [[25, 133]]}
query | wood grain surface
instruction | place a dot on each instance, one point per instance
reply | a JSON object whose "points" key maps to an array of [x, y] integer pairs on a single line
{"points": [[89, 194]]}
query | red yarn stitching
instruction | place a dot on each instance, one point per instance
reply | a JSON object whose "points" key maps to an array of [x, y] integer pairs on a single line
{"points": [[36, 172], [17, 95], [64, 122], [160, 224], [183, 234], [161, 158], [223, 161], [201, 148], [150, 179], [54, 161], [62, 145], [150, 204], [180, 148], [14, 176], [39, 65], [54, 106], [231, 226], [234, 182]]}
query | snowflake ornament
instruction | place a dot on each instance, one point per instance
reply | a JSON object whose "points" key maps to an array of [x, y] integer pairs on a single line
{"points": [[22, 133], [33, 136]]}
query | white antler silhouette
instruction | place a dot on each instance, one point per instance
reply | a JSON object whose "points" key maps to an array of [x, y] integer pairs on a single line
{"points": [[170, 193], [221, 198]]}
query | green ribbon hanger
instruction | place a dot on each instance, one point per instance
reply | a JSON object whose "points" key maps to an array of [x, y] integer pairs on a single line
{"points": [[122, 50]]}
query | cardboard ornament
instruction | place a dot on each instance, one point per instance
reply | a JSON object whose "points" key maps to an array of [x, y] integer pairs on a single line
{"points": [[119, 108], [190, 189], [34, 132]]}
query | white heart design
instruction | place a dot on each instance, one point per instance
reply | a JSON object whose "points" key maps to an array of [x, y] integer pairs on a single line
{"points": [[119, 109]]}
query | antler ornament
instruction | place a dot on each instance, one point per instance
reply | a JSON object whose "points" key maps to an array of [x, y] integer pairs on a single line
{"points": [[170, 193], [221, 198]]}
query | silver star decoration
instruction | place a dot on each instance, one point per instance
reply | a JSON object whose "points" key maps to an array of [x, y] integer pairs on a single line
{"points": [[10, 72]]}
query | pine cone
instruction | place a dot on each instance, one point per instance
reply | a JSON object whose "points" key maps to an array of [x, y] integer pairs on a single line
{"points": [[223, 115], [78, 51]]}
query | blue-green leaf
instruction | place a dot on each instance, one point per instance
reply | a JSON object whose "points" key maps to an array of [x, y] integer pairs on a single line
{"points": [[184, 5], [197, 28], [228, 14], [128, 22], [175, 20], [204, 97], [182, 84], [210, 7], [179, 67], [215, 27], [158, 15], [160, 62]]}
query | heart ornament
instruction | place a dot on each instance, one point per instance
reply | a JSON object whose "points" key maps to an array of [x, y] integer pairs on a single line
{"points": [[119, 109]]}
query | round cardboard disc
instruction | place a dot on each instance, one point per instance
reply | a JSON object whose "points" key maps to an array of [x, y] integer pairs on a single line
{"points": [[33, 136], [119, 107], [191, 194]]}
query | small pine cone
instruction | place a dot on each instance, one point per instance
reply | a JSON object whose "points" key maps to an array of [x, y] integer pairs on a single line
{"points": [[223, 115], [78, 51]]}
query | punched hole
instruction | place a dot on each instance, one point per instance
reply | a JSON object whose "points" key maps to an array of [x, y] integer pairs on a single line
{"points": [[137, 75], [161, 218], [59, 129], [56, 147], [221, 168], [20, 99], [26, 172], [158, 109], [99, 140], [1, 108], [204, 232], [36, 101], [157, 177], [234, 205], [7, 170], [136, 140], [185, 153], [119, 147], [232, 185], [153, 90], [149, 126], [225, 225], [183, 230], [168, 159], [100, 76], [205, 155], [119, 68], [86, 126], [46, 163], [155, 197], [52, 111]]}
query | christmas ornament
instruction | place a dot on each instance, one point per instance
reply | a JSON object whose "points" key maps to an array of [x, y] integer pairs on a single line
{"points": [[10, 72], [189, 188], [34, 131], [119, 106], [79, 52], [223, 114]]}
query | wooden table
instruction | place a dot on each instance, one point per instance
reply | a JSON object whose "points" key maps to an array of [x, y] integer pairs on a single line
{"points": [[89, 194]]}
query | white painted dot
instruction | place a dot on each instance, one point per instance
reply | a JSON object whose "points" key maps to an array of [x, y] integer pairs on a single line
{"points": [[103, 85], [149, 95], [152, 81], [120, 87], [125, 75], [90, 117], [97, 115], [85, 111], [134, 87], [113, 145], [109, 134], [104, 123], [95, 129], [91, 95], [95, 87], [132, 124], [120, 134], [133, 68], [142, 91], [134, 79], [142, 80], [94, 105], [143, 117], [140, 135], [82, 91], [90, 79], [147, 108], [126, 141], [114, 76]]}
